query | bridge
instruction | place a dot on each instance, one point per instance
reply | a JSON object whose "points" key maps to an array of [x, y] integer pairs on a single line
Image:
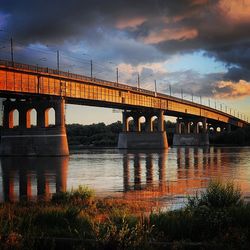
{"points": [[26, 87]]}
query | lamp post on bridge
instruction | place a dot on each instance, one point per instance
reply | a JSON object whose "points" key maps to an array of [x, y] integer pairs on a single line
{"points": [[12, 51], [138, 81], [155, 89], [117, 75], [58, 60], [117, 72], [91, 69]]}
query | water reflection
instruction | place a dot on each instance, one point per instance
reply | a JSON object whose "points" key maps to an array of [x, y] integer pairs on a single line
{"points": [[144, 174], [29, 178], [176, 172], [157, 175]]}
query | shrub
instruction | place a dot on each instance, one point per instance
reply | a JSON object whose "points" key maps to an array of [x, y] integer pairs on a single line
{"points": [[123, 233], [217, 195], [81, 194]]}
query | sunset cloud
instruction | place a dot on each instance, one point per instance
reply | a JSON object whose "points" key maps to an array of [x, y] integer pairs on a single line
{"points": [[130, 23], [232, 90], [237, 11], [142, 34], [170, 34]]}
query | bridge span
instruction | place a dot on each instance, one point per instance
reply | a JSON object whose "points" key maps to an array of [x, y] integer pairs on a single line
{"points": [[44, 88]]}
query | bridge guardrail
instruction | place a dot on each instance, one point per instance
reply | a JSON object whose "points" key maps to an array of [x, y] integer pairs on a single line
{"points": [[101, 82], [71, 75]]}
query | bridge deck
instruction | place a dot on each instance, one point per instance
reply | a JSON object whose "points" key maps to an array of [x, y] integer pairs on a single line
{"points": [[28, 80]]}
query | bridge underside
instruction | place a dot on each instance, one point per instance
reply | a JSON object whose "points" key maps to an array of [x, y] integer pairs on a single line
{"points": [[46, 140], [41, 140], [150, 138]]}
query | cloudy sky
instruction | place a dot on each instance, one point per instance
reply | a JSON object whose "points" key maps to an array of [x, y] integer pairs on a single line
{"points": [[198, 46]]}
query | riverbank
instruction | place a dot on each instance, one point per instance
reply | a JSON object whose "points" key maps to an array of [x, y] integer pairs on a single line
{"points": [[218, 218]]}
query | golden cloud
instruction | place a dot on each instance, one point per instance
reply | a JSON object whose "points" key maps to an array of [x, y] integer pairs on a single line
{"points": [[237, 11], [130, 23], [170, 34], [232, 90]]}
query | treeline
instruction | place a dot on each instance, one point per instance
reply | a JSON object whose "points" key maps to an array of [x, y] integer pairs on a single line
{"points": [[240, 136], [101, 135], [94, 135]]}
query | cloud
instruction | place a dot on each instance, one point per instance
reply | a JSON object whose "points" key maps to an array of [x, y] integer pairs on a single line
{"points": [[143, 32], [130, 23], [232, 90], [170, 34], [236, 11], [235, 74]]}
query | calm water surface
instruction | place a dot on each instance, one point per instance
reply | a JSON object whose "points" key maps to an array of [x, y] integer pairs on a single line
{"points": [[164, 177]]}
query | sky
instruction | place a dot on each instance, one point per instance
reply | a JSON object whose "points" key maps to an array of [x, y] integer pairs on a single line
{"points": [[196, 46]]}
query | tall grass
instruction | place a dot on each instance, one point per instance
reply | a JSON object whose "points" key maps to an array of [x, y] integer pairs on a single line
{"points": [[217, 216], [83, 194], [217, 195]]}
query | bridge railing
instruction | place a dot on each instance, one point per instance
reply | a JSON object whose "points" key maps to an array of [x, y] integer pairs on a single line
{"points": [[47, 70], [73, 76]]}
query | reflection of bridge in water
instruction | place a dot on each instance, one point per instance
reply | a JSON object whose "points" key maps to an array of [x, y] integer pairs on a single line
{"points": [[30, 178], [164, 174], [144, 175]]}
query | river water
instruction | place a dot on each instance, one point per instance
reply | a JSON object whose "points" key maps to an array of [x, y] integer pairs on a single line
{"points": [[162, 177]]}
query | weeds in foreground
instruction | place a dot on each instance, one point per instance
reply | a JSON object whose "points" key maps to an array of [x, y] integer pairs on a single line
{"points": [[218, 195], [216, 216], [82, 194]]}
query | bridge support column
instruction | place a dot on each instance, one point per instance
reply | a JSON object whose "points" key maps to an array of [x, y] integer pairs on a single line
{"points": [[204, 125], [149, 124], [40, 140], [137, 124], [196, 127], [138, 139], [229, 128], [125, 123], [178, 126], [190, 135]]}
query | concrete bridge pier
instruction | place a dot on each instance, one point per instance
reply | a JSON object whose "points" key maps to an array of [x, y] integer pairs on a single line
{"points": [[150, 137], [190, 133], [42, 139]]}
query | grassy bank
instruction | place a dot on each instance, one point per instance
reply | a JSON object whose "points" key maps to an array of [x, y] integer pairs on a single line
{"points": [[217, 218]]}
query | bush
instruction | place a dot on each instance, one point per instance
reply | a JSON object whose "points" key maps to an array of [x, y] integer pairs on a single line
{"points": [[123, 233], [81, 194], [217, 195]]}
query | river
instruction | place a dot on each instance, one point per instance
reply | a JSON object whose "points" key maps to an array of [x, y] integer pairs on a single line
{"points": [[163, 177]]}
